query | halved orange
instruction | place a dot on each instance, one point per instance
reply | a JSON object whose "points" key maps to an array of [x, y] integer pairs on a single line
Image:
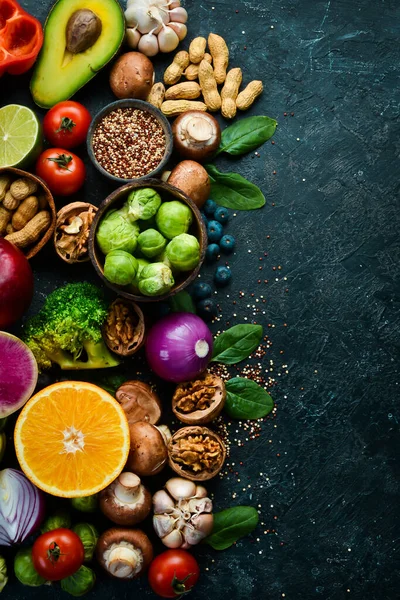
{"points": [[72, 439]]}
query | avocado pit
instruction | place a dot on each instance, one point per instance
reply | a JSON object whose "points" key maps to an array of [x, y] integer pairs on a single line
{"points": [[83, 30]]}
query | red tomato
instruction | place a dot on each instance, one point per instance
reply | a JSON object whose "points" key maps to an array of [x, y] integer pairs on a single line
{"points": [[66, 124], [63, 171], [57, 554], [173, 573]]}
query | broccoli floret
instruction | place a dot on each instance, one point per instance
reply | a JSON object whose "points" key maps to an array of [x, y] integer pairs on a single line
{"points": [[69, 324]]}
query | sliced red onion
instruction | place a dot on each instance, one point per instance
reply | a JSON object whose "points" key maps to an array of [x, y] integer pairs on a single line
{"points": [[21, 507], [179, 347]]}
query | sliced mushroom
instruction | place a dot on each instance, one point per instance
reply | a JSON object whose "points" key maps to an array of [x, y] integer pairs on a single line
{"points": [[125, 501], [148, 454], [139, 402], [124, 553], [199, 401], [197, 135]]}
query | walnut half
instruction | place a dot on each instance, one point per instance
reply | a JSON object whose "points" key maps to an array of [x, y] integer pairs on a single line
{"points": [[71, 235], [196, 453], [199, 401], [124, 328]]}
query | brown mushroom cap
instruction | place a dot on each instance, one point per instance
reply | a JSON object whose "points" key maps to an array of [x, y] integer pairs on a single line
{"points": [[132, 76], [199, 401], [126, 501], [197, 135], [192, 178], [148, 454], [139, 402], [185, 471], [124, 553]]}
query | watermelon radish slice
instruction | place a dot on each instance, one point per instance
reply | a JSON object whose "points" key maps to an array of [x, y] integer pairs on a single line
{"points": [[18, 373]]}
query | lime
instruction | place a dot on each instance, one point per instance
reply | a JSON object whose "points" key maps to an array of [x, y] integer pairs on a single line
{"points": [[20, 136]]}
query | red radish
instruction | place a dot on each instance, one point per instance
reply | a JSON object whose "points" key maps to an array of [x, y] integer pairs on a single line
{"points": [[16, 284], [18, 374]]}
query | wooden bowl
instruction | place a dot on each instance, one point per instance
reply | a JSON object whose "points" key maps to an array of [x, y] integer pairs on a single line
{"points": [[33, 250], [116, 199]]}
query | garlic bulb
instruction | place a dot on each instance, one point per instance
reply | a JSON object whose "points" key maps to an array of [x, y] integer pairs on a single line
{"points": [[182, 513]]}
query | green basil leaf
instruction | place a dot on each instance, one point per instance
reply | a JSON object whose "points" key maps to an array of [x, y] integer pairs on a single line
{"points": [[232, 524], [245, 399], [247, 135], [231, 190], [182, 302], [236, 344]]}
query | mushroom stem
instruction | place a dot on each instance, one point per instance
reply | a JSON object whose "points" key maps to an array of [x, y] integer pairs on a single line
{"points": [[123, 562], [127, 489]]}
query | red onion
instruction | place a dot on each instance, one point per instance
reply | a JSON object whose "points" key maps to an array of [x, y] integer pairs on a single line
{"points": [[179, 347], [21, 507]]}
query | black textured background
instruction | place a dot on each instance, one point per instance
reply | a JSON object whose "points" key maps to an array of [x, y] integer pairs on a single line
{"points": [[330, 499]]}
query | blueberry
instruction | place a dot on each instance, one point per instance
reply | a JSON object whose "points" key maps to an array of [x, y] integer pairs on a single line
{"points": [[221, 215], [201, 290], [210, 208], [204, 219], [227, 243], [206, 309], [222, 276], [212, 252], [214, 231]]}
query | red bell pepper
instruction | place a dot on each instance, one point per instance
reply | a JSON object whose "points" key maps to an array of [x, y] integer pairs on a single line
{"points": [[21, 37]]}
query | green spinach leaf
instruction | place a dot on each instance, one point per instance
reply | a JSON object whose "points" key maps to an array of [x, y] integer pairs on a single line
{"points": [[247, 135], [231, 190], [182, 302], [237, 343], [232, 524], [246, 399]]}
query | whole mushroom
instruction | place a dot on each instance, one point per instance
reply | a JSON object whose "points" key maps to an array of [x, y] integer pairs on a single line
{"points": [[148, 454], [125, 501], [132, 76], [182, 513], [139, 401], [124, 553], [197, 135], [192, 178]]}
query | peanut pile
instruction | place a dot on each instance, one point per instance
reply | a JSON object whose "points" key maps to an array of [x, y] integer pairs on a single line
{"points": [[24, 214], [210, 69]]}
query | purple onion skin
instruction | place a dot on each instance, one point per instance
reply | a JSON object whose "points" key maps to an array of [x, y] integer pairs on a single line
{"points": [[171, 347], [22, 507]]}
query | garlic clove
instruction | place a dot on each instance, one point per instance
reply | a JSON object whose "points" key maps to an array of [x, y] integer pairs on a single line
{"points": [[203, 523], [201, 491], [167, 39], [200, 505], [132, 37], [179, 28], [162, 503], [148, 44], [173, 539], [178, 14], [180, 488], [171, 5], [163, 525]]}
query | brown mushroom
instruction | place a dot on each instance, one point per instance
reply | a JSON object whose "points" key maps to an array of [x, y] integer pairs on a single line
{"points": [[139, 402], [197, 135], [148, 454], [125, 501], [124, 327], [196, 453], [199, 401], [192, 178], [124, 553], [71, 235], [132, 76]]}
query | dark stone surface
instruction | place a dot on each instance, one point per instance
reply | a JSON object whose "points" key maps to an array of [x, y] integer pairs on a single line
{"points": [[329, 484]]}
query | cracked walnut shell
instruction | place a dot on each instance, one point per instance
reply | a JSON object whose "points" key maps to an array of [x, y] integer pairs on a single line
{"points": [[71, 236], [124, 328], [200, 400], [196, 453]]}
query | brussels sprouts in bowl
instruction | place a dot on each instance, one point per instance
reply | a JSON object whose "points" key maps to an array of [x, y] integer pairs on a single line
{"points": [[144, 218]]}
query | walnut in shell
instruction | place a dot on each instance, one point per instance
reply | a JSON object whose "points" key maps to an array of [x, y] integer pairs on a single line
{"points": [[71, 236], [124, 329], [196, 453], [199, 401]]}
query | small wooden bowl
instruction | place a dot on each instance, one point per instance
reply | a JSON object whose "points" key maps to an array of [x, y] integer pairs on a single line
{"points": [[33, 250], [115, 199], [190, 474]]}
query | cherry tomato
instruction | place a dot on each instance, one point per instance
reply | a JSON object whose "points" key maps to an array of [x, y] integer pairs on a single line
{"points": [[66, 124], [57, 554], [63, 171], [173, 573]]}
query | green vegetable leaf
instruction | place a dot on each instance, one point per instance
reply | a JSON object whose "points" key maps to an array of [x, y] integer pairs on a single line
{"points": [[246, 399], [231, 190], [232, 524], [182, 302], [236, 344], [247, 135]]}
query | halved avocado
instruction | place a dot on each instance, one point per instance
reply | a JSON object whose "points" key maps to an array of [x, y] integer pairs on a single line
{"points": [[59, 73]]}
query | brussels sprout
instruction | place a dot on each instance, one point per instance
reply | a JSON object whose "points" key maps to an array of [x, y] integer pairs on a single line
{"points": [[59, 519], [89, 536], [120, 267], [155, 280], [143, 204], [3, 574], [2, 445], [116, 232], [183, 252], [24, 569], [134, 287], [151, 242], [3, 423], [86, 504], [173, 218], [80, 583]]}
